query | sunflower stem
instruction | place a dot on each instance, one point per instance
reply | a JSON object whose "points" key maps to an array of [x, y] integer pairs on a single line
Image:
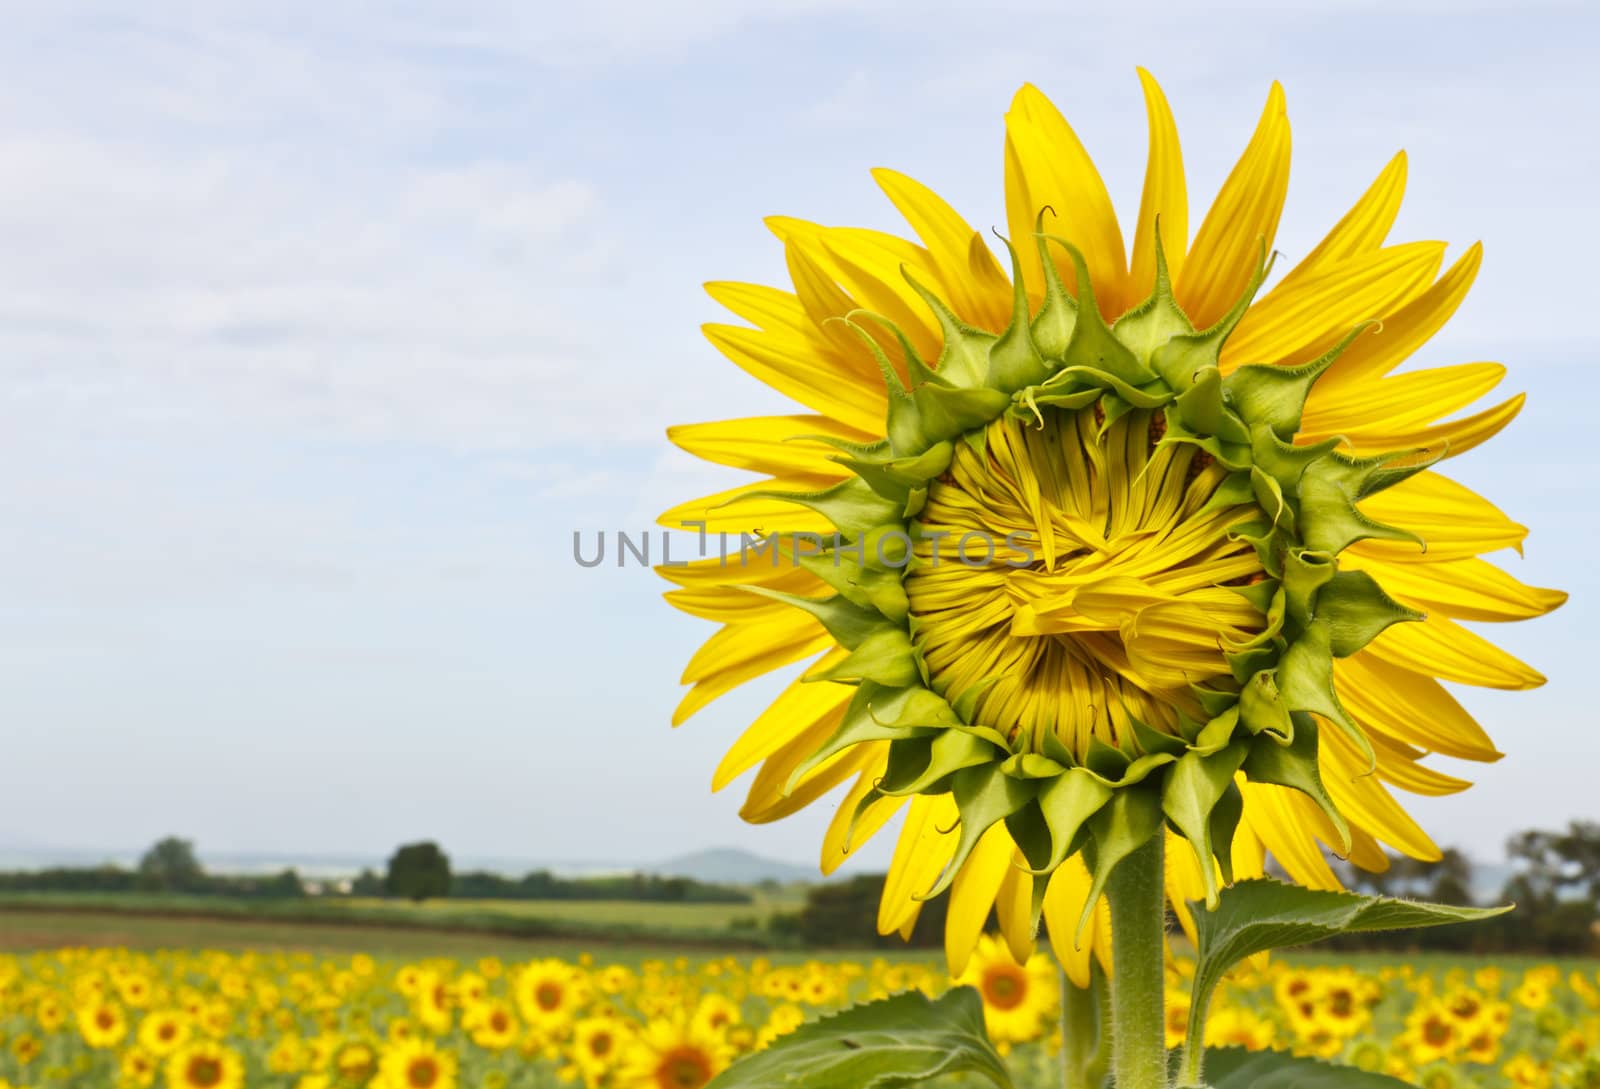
{"points": [[1138, 904], [1083, 1058]]}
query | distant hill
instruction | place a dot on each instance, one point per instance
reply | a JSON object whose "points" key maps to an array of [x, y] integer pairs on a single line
{"points": [[731, 866]]}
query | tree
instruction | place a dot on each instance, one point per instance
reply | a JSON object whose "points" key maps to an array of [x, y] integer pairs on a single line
{"points": [[171, 866], [418, 871]]}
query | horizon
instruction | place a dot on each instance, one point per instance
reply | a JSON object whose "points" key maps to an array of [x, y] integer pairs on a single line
{"points": [[316, 365]]}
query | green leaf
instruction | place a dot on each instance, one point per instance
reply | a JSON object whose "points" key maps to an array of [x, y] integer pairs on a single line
{"points": [[899, 1041], [1254, 916], [1236, 1068]]}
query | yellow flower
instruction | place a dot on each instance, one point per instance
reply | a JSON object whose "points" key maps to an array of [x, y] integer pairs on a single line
{"points": [[670, 1053], [1017, 997], [598, 1044], [1432, 1034], [1235, 1026], [1525, 1072], [137, 1067], [416, 1064], [1064, 536], [549, 993], [205, 1064], [492, 1024], [102, 1024]]}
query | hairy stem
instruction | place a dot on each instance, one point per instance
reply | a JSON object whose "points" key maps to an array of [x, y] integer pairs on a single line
{"points": [[1082, 1044], [1137, 897]]}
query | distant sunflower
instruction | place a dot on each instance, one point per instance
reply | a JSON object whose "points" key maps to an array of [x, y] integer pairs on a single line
{"points": [[549, 993], [102, 1024], [1016, 997], [416, 1064], [205, 1065], [672, 1053], [1105, 546]]}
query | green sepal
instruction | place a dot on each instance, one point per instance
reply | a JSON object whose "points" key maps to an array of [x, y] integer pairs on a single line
{"points": [[849, 623], [901, 425], [985, 796], [925, 766], [1066, 803], [1331, 521], [1306, 679], [1182, 358], [1190, 791], [1356, 610], [964, 359], [1294, 765], [1123, 825], [895, 478], [1078, 375], [1031, 765], [1156, 320], [1053, 326], [914, 712], [870, 587], [1015, 361], [946, 412], [850, 505], [1262, 710], [1225, 818], [1305, 573], [1149, 740], [884, 657], [1265, 393], [1093, 345], [1366, 476]]}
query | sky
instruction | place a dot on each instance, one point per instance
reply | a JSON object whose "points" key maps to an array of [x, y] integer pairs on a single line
{"points": [[324, 327]]}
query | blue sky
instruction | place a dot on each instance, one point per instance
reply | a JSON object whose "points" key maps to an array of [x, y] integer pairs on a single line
{"points": [[322, 328]]}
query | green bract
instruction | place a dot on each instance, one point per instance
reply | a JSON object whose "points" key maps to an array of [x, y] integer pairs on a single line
{"points": [[1302, 504]]}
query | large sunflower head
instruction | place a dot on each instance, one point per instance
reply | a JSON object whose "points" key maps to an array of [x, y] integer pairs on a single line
{"points": [[1106, 548]]}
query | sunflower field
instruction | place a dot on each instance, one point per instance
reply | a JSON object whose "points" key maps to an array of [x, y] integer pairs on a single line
{"points": [[216, 1020]]}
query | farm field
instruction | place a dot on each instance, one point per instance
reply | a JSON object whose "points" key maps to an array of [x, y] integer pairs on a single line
{"points": [[543, 920], [447, 1012]]}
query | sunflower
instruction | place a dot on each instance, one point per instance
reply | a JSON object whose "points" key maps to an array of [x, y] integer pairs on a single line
{"points": [[102, 1024], [205, 1065], [549, 993], [136, 1067], [673, 1053], [1108, 544], [416, 1064], [492, 1024], [1016, 997], [598, 1043]]}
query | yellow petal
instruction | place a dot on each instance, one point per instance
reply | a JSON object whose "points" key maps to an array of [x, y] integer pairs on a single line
{"points": [[973, 893], [840, 839], [970, 280], [1378, 351], [1452, 439], [1364, 227], [1364, 801], [1399, 766], [1013, 907], [735, 604], [776, 445], [794, 367], [1242, 221], [927, 840], [742, 511], [1409, 707], [1064, 898], [798, 708], [1284, 830], [1454, 520], [767, 802], [1465, 589], [1297, 322], [1047, 165], [1450, 652], [1399, 403], [738, 664], [1165, 198]]}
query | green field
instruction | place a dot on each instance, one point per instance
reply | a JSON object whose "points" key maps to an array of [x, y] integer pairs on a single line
{"points": [[453, 927]]}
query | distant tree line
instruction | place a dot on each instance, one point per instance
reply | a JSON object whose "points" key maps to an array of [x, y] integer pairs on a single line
{"points": [[170, 866], [1555, 885], [416, 871], [420, 871]]}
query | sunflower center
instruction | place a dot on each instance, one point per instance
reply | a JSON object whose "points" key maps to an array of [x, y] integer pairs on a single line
{"points": [[205, 1071], [1004, 988], [1084, 565], [685, 1068]]}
